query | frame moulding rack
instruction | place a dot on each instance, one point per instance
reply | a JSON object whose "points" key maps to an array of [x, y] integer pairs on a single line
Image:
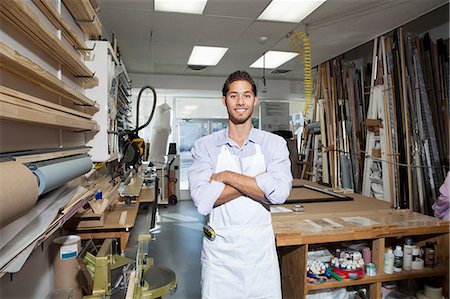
{"points": [[85, 16], [20, 15], [20, 65], [58, 21]]}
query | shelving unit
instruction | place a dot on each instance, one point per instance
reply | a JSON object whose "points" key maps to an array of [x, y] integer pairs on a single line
{"points": [[49, 10], [20, 15], [123, 101], [295, 237], [18, 64], [112, 94], [85, 16]]}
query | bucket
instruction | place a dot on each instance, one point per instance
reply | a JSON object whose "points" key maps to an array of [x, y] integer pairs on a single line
{"points": [[67, 273]]}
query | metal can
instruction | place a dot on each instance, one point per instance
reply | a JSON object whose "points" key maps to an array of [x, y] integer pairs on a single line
{"points": [[371, 269]]}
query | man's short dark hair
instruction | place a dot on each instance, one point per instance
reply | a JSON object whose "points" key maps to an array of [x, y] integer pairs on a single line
{"points": [[238, 76]]}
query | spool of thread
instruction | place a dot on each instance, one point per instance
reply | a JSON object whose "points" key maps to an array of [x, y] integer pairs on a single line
{"points": [[367, 255], [417, 264], [67, 273]]}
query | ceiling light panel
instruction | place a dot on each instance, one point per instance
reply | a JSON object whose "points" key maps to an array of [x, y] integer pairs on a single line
{"points": [[183, 6], [289, 10], [273, 59], [209, 56]]}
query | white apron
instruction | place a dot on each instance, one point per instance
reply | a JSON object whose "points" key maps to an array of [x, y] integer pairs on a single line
{"points": [[242, 261]]}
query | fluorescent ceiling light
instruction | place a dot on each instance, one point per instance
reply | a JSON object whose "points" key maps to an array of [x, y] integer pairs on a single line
{"points": [[184, 6], [206, 55], [289, 10], [273, 59]]}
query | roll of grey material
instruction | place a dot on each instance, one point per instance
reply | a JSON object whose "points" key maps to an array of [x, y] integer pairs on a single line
{"points": [[55, 173], [314, 127]]}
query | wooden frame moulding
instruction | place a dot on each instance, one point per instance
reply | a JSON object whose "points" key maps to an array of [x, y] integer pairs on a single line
{"points": [[18, 109], [14, 62], [58, 21], [53, 155], [85, 16], [17, 94], [20, 15]]}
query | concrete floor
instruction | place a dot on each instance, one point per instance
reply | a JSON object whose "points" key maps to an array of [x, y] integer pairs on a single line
{"points": [[177, 245]]}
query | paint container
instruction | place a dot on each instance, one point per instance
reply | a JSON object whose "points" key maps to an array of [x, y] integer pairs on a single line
{"points": [[408, 254], [67, 273], [371, 270], [429, 255]]}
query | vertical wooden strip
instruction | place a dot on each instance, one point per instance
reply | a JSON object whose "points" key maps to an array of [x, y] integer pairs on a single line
{"points": [[293, 271]]}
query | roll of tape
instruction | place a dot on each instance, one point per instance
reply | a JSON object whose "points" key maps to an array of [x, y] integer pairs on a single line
{"points": [[417, 264], [432, 292]]}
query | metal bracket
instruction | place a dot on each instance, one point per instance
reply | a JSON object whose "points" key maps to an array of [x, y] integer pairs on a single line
{"points": [[85, 49], [86, 105], [82, 131], [85, 21], [82, 76]]}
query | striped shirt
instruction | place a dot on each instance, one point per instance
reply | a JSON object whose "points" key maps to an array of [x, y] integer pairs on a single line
{"points": [[275, 183]]}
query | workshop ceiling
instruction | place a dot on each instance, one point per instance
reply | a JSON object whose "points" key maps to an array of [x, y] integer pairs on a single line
{"points": [[153, 42]]}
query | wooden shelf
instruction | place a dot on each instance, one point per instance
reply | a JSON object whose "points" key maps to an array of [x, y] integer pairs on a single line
{"points": [[14, 62], [85, 16], [363, 220], [49, 10], [23, 18], [411, 274], [18, 106]]}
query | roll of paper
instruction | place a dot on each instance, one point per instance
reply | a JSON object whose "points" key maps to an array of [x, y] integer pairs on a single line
{"points": [[19, 191], [59, 172]]}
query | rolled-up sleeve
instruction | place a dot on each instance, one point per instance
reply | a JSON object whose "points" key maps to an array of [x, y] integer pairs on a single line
{"points": [[276, 182], [203, 192]]}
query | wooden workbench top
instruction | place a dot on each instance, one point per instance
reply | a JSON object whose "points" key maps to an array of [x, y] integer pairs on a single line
{"points": [[362, 218], [112, 218]]}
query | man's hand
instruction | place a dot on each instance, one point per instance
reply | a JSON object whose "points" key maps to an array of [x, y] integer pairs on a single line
{"points": [[221, 176]]}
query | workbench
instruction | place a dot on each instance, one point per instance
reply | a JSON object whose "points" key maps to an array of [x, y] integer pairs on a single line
{"points": [[328, 224], [112, 225]]}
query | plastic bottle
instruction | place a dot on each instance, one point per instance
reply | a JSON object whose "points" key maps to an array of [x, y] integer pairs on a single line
{"points": [[389, 262], [429, 255], [398, 258], [407, 254]]}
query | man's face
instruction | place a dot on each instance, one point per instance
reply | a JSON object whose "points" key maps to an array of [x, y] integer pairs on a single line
{"points": [[240, 101]]}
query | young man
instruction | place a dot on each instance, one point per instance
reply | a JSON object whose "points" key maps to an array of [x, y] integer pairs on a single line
{"points": [[235, 175]]}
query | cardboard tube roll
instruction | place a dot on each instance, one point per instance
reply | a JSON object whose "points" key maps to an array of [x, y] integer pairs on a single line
{"points": [[19, 191], [67, 273]]}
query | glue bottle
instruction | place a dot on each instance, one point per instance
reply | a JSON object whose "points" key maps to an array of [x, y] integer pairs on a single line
{"points": [[389, 262], [398, 258], [408, 254]]}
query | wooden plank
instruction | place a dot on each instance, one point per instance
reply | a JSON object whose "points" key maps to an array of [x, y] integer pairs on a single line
{"points": [[20, 15], [404, 275], [48, 156], [23, 114], [293, 269], [32, 99], [49, 10], [22, 103], [85, 16], [14, 62]]}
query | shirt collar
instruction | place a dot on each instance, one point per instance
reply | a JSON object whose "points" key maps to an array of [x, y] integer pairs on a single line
{"points": [[255, 136]]}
